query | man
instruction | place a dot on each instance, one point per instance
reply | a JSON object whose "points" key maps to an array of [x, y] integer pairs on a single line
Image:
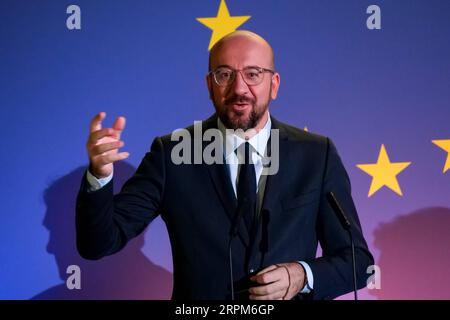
{"points": [[272, 223]]}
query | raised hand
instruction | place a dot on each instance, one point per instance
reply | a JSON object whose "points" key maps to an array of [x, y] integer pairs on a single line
{"points": [[103, 145]]}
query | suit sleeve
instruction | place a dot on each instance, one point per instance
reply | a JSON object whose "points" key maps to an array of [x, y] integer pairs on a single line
{"points": [[106, 222], [333, 273]]}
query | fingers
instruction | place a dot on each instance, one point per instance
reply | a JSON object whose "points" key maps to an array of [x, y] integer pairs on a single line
{"points": [[111, 158], [95, 136], [119, 125], [273, 291], [269, 289], [96, 122], [275, 284], [96, 131], [265, 270], [267, 275], [105, 147]]}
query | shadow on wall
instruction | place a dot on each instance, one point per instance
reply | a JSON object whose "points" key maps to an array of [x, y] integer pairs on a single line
{"points": [[415, 256], [128, 274]]}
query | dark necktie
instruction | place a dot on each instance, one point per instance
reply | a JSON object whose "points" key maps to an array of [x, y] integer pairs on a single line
{"points": [[246, 189]]}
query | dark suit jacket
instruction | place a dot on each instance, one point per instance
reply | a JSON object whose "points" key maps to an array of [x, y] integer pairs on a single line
{"points": [[197, 203]]}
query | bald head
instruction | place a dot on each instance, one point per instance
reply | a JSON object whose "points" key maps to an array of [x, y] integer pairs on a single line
{"points": [[242, 40]]}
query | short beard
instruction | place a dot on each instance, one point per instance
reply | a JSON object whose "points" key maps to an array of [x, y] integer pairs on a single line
{"points": [[244, 125]]}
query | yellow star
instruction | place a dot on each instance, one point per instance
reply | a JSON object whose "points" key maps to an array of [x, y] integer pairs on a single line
{"points": [[445, 145], [384, 172], [223, 24]]}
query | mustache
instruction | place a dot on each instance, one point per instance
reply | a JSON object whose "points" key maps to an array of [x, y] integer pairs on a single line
{"points": [[239, 99]]}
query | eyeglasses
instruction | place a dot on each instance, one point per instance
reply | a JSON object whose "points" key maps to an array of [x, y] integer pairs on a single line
{"points": [[252, 76]]}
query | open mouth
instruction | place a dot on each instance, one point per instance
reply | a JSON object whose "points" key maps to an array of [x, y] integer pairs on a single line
{"points": [[239, 106]]}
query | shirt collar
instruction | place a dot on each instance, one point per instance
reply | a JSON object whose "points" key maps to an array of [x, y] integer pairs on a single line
{"points": [[258, 141]]}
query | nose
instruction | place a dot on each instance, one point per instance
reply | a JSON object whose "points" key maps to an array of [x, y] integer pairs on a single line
{"points": [[239, 86]]}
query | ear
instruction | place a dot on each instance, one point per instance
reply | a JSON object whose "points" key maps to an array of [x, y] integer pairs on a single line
{"points": [[209, 84], [275, 85]]}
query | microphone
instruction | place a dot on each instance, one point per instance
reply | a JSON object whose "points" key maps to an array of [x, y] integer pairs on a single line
{"points": [[347, 226]]}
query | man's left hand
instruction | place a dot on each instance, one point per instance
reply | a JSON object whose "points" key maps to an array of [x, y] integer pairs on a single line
{"points": [[278, 282]]}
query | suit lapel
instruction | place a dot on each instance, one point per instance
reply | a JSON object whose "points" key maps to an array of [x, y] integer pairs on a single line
{"points": [[274, 182], [271, 197]]}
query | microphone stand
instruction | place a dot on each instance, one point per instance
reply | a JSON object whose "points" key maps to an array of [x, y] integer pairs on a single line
{"points": [[233, 233], [347, 226], [231, 267]]}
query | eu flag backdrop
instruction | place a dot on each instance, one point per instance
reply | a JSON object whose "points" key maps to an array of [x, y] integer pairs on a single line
{"points": [[372, 75]]}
